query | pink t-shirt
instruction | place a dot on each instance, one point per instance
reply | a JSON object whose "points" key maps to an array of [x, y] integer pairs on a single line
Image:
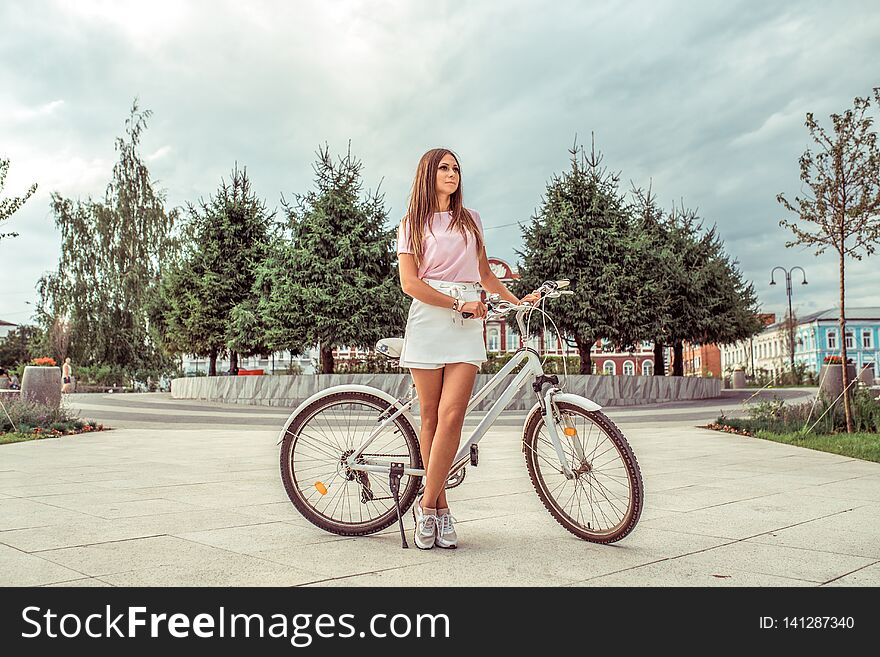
{"points": [[448, 256]]}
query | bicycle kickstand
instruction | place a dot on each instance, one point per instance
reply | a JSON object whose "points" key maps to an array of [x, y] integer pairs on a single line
{"points": [[396, 474]]}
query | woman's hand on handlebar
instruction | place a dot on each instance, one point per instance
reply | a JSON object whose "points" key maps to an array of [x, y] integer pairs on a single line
{"points": [[531, 297], [477, 309]]}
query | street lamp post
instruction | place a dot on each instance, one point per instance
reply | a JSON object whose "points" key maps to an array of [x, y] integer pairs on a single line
{"points": [[790, 316]]}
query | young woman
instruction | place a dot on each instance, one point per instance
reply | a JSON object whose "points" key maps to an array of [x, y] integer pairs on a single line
{"points": [[443, 266]]}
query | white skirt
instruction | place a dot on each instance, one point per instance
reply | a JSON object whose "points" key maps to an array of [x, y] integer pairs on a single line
{"points": [[436, 336]]}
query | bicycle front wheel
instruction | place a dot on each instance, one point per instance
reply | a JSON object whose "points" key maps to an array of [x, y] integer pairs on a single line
{"points": [[603, 502], [319, 482]]}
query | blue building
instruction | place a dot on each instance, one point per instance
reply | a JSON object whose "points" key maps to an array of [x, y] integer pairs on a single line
{"points": [[818, 335]]}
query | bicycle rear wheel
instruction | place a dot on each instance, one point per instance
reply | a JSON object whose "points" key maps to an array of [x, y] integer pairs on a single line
{"points": [[320, 484], [603, 502]]}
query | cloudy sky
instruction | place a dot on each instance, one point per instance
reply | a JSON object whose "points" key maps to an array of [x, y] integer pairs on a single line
{"points": [[704, 100]]}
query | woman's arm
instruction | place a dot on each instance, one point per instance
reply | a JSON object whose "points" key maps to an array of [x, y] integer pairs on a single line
{"points": [[492, 284], [415, 287]]}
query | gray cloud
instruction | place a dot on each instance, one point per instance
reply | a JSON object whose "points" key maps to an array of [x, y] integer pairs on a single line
{"points": [[705, 101]]}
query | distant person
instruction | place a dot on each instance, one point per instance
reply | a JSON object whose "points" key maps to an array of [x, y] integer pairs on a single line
{"points": [[5, 380], [66, 376], [14, 381]]}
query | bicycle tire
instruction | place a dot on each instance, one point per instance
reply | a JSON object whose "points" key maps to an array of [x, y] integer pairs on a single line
{"points": [[295, 485], [545, 489]]}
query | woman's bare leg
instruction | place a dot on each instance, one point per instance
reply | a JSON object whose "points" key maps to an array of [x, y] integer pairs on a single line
{"points": [[429, 384], [458, 384]]}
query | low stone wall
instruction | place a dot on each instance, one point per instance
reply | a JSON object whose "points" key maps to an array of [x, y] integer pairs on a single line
{"points": [[289, 390]]}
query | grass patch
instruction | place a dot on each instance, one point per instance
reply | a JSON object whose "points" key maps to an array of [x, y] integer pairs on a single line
{"points": [[9, 437], [865, 446]]}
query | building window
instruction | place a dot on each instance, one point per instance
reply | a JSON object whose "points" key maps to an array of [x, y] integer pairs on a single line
{"points": [[550, 342], [494, 340], [512, 341], [628, 368], [832, 339], [867, 339], [647, 368], [609, 367], [850, 340]]}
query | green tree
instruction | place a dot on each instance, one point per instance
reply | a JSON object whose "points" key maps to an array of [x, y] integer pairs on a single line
{"points": [[841, 208], [208, 300], [112, 255], [709, 301], [8, 206], [651, 221], [334, 281], [20, 345], [583, 231]]}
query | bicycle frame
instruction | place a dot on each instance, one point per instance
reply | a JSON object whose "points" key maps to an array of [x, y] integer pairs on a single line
{"points": [[532, 370]]}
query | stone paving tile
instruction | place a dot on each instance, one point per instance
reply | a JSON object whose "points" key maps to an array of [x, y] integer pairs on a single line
{"points": [[147, 555], [244, 571], [19, 568], [747, 518], [868, 576], [853, 532], [84, 582], [21, 513], [35, 489], [89, 530], [780, 561], [346, 556], [683, 572], [263, 537], [445, 571]]}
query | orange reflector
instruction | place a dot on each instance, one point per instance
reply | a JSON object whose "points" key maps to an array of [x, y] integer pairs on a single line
{"points": [[570, 431], [321, 488]]}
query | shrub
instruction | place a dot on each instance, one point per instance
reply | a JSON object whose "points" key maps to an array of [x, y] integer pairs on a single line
{"points": [[30, 415], [777, 417], [101, 375]]}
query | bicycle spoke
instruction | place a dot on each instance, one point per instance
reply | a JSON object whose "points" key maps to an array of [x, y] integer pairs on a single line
{"points": [[601, 494], [316, 448]]}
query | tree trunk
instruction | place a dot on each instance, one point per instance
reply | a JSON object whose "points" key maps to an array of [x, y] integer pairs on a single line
{"points": [[233, 363], [584, 348], [326, 360], [212, 363], [659, 360], [847, 409], [677, 358]]}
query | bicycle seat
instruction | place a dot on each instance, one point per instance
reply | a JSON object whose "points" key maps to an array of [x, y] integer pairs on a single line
{"points": [[390, 347]]}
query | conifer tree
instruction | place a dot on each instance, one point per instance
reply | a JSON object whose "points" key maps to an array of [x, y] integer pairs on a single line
{"points": [[583, 232], [334, 282], [212, 285]]}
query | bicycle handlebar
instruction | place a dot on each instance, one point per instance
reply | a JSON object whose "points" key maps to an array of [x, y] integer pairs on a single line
{"points": [[548, 289]]}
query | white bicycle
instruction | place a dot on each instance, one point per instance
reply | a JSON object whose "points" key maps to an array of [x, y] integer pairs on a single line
{"points": [[351, 464]]}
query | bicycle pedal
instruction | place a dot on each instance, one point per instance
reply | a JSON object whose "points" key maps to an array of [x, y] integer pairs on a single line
{"points": [[475, 455]]}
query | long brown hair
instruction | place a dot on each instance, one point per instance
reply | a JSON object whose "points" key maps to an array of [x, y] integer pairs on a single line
{"points": [[423, 204]]}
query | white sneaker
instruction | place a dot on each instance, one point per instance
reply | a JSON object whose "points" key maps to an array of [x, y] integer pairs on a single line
{"points": [[426, 527], [446, 536]]}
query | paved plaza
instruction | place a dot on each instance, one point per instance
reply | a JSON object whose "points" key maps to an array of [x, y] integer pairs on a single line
{"points": [[189, 493]]}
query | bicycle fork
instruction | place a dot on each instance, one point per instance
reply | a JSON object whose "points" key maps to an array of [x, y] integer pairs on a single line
{"points": [[550, 413]]}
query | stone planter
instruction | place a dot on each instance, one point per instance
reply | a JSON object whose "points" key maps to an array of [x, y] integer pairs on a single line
{"points": [[831, 380], [739, 379], [42, 384], [867, 374]]}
